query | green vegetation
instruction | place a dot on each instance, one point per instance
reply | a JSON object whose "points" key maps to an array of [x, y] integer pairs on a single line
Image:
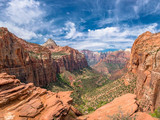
{"points": [[1, 31], [122, 116], [56, 55], [60, 85], [34, 55], [105, 94], [91, 90], [113, 66], [80, 82], [156, 113]]}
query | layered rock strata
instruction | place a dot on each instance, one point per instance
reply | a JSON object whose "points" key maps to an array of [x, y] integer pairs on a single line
{"points": [[19, 101], [145, 64], [34, 63]]}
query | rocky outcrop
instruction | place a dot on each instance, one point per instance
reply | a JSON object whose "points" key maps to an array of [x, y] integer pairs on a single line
{"points": [[125, 105], [145, 64], [19, 101], [29, 62], [34, 63], [120, 56], [143, 116], [69, 59], [51, 44]]}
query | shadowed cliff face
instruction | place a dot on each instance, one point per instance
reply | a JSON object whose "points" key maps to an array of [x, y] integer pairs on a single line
{"points": [[34, 63], [145, 64], [19, 101]]}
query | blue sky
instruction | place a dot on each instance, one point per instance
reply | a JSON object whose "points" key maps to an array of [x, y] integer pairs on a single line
{"points": [[82, 24]]}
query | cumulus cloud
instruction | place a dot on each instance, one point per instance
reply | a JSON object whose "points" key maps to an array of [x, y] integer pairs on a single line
{"points": [[112, 37], [23, 11], [72, 33], [23, 18], [22, 33], [28, 19]]}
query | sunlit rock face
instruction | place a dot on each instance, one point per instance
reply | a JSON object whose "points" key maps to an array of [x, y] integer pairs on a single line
{"points": [[51, 44], [145, 64], [34, 63], [19, 101], [125, 104], [114, 64], [93, 57]]}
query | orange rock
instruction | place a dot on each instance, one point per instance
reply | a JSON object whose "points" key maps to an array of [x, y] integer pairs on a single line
{"points": [[143, 116], [125, 104], [19, 101], [118, 60], [144, 63], [31, 62]]}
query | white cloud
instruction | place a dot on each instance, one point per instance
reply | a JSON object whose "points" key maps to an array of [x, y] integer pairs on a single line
{"points": [[24, 18], [23, 11], [22, 33], [72, 33], [112, 37]]}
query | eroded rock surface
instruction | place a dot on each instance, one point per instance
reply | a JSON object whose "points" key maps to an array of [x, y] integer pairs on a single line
{"points": [[19, 101], [145, 64], [114, 64], [34, 63], [125, 104]]}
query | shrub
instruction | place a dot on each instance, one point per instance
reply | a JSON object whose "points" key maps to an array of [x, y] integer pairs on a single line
{"points": [[122, 116], [90, 109], [156, 113]]}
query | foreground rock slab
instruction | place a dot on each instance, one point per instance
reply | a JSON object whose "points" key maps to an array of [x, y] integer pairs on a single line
{"points": [[125, 104], [143, 116], [19, 101]]}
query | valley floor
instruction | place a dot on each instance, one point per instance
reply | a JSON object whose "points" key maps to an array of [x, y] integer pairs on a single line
{"points": [[91, 90]]}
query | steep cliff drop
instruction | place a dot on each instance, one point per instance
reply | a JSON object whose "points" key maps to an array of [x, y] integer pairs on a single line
{"points": [[143, 67], [145, 64], [34, 63], [66, 57], [19, 101]]}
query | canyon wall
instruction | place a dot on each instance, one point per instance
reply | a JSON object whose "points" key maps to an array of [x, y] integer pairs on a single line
{"points": [[34, 63], [93, 57], [145, 64], [114, 64]]}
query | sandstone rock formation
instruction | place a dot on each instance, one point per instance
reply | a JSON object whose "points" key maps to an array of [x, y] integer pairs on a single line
{"points": [[125, 104], [34, 63], [123, 107], [145, 64], [93, 57], [70, 59], [19, 101], [114, 64], [143, 116], [51, 44]]}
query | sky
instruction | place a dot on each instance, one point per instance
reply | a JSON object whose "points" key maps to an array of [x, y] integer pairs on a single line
{"points": [[97, 25]]}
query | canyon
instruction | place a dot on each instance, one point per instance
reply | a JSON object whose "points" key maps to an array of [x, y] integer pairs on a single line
{"points": [[111, 63], [131, 89], [144, 68]]}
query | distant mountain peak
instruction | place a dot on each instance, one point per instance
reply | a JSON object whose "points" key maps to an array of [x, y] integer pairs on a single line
{"points": [[51, 44]]}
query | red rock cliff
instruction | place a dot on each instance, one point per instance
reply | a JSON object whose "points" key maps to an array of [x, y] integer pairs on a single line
{"points": [[34, 63], [145, 64], [114, 64]]}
